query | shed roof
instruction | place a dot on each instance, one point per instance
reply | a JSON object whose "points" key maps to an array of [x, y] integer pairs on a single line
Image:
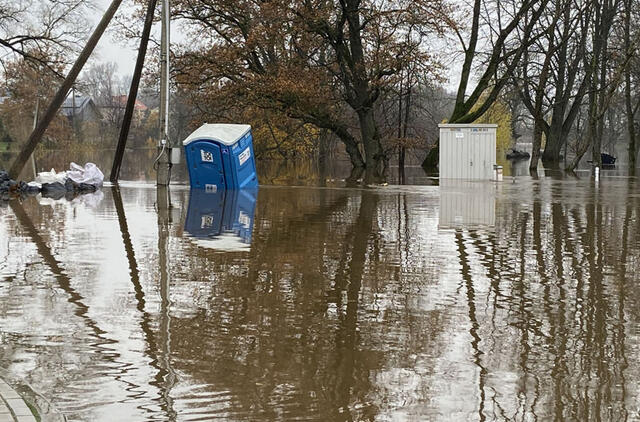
{"points": [[226, 134]]}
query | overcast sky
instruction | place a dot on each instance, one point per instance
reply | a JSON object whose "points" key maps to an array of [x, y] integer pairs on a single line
{"points": [[108, 50]]}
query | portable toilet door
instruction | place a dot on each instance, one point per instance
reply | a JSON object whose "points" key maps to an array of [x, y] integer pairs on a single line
{"points": [[220, 156], [467, 151]]}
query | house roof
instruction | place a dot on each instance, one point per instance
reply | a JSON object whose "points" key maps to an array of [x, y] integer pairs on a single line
{"points": [[121, 100], [81, 102]]}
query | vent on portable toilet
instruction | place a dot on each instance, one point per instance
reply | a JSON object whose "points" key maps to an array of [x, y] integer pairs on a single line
{"points": [[220, 156]]}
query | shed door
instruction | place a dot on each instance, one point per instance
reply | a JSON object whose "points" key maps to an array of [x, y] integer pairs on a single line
{"points": [[207, 170]]}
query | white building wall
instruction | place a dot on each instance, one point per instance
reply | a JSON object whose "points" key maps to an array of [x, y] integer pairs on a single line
{"points": [[467, 151]]}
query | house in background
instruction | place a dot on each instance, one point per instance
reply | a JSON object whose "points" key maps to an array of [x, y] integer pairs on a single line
{"points": [[84, 116], [80, 109], [119, 102]]}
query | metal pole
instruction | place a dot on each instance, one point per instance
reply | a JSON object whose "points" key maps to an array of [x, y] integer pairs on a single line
{"points": [[57, 101], [133, 93], [164, 164]]}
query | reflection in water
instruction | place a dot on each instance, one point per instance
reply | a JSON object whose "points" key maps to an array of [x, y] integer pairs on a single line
{"points": [[467, 204], [151, 349], [221, 220], [349, 304]]}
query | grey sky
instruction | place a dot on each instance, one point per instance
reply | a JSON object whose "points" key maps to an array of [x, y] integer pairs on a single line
{"points": [[108, 50]]}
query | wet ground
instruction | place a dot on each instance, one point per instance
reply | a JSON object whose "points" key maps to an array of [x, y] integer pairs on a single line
{"points": [[465, 301]]}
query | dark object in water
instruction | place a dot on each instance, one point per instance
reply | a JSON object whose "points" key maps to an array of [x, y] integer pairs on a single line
{"points": [[10, 188], [607, 160], [517, 155], [72, 186], [69, 190], [53, 190]]}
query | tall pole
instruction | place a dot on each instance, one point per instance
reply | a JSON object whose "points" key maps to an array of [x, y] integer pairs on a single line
{"points": [[57, 101], [164, 164], [133, 93]]}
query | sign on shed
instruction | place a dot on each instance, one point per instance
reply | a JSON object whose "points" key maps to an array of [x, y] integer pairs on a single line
{"points": [[467, 151]]}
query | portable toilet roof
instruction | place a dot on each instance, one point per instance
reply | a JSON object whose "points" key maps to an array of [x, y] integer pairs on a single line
{"points": [[224, 133]]}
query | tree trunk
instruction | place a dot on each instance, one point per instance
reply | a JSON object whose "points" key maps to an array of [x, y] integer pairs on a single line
{"points": [[401, 151], [556, 139], [374, 154], [631, 130], [405, 133], [350, 144], [592, 126], [633, 149], [536, 144]]}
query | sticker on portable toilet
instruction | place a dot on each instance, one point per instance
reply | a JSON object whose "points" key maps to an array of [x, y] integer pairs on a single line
{"points": [[211, 188], [244, 156], [244, 220], [459, 134], [206, 156], [206, 222]]}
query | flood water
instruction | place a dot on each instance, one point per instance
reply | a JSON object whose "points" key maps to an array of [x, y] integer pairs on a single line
{"points": [[467, 301]]}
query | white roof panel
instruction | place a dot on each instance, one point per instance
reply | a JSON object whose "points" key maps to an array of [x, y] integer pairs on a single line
{"points": [[226, 241], [226, 134]]}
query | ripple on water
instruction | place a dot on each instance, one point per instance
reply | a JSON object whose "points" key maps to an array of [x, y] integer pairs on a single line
{"points": [[347, 305]]}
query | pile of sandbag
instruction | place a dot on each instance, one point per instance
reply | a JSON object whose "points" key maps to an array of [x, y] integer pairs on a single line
{"points": [[9, 187], [77, 180]]}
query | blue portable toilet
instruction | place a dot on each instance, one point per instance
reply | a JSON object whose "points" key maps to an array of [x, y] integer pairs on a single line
{"points": [[221, 220], [220, 156]]}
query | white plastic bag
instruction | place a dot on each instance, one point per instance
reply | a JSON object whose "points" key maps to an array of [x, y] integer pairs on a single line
{"points": [[89, 174], [51, 177]]}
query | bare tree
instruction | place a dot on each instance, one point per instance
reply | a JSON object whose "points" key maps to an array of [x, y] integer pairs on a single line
{"points": [[506, 45], [552, 77], [603, 82], [43, 31]]}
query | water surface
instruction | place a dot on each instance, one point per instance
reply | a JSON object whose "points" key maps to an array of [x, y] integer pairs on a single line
{"points": [[468, 301]]}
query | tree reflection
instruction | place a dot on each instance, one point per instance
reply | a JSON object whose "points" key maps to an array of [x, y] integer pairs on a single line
{"points": [[284, 338], [563, 287]]}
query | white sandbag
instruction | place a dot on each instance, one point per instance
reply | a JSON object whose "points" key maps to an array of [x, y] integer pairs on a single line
{"points": [[51, 177], [89, 174]]}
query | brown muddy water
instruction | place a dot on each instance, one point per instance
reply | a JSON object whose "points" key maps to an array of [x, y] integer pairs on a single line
{"points": [[470, 301]]}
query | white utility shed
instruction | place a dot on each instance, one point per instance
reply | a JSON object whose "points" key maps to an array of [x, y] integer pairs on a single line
{"points": [[467, 151]]}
